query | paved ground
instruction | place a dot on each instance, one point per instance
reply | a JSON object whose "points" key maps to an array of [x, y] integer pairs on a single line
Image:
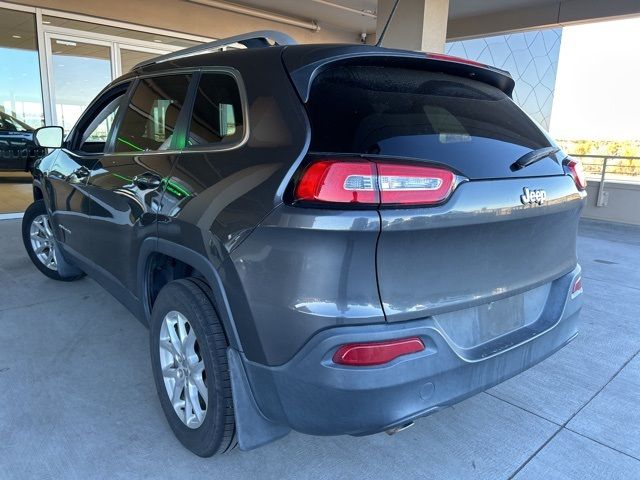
{"points": [[77, 399]]}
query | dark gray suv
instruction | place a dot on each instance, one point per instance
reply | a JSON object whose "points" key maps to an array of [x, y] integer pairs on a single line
{"points": [[335, 239]]}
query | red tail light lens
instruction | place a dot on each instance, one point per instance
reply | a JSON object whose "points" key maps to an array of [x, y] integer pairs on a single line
{"points": [[336, 181], [376, 353], [372, 183], [577, 172]]}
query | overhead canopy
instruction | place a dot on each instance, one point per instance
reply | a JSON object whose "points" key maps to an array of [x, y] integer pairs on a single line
{"points": [[467, 18]]}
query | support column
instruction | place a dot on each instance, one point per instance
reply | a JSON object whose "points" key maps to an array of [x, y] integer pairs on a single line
{"points": [[417, 24]]}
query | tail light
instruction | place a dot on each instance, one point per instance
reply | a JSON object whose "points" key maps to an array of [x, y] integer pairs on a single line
{"points": [[373, 183], [577, 172], [376, 353]]}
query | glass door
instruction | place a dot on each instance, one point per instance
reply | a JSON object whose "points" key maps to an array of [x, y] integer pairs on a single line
{"points": [[78, 69]]}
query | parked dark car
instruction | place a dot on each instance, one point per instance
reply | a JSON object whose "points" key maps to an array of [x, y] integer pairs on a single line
{"points": [[335, 239], [18, 152]]}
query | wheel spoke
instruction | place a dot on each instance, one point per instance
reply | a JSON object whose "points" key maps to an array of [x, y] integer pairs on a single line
{"points": [[197, 368], [182, 329], [188, 404], [189, 344], [49, 259], [166, 344], [178, 387], [170, 372], [173, 335], [194, 402], [202, 389]]}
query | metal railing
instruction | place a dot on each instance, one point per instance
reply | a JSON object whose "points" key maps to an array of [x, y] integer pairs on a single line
{"points": [[609, 167]]}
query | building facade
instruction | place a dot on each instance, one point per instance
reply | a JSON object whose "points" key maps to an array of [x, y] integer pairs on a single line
{"points": [[532, 59]]}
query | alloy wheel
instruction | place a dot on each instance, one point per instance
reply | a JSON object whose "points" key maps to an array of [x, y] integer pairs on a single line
{"points": [[42, 241], [183, 369]]}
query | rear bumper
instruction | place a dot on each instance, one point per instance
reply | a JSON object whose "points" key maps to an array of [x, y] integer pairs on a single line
{"points": [[313, 395]]}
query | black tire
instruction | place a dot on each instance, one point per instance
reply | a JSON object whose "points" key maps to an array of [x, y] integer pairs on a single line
{"points": [[35, 210], [191, 297]]}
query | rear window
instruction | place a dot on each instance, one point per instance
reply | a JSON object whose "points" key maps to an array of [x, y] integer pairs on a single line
{"points": [[217, 112], [432, 116]]}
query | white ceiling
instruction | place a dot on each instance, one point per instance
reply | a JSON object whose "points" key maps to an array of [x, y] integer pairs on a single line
{"points": [[352, 21]]}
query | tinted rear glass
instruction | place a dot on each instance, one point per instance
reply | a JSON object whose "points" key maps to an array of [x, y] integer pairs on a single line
{"points": [[432, 116], [217, 112]]}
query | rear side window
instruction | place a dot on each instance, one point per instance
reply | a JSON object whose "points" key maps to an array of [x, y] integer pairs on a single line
{"points": [[152, 114], [217, 112], [432, 116]]}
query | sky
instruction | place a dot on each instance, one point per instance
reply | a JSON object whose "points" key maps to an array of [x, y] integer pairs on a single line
{"points": [[597, 94]]}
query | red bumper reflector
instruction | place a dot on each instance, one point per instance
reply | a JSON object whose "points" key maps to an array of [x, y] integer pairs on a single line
{"points": [[376, 353], [577, 287]]}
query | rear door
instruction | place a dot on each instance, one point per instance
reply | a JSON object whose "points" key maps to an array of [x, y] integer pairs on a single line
{"points": [[489, 239], [127, 185]]}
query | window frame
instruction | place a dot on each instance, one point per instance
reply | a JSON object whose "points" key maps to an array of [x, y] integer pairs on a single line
{"points": [[221, 146], [184, 119]]}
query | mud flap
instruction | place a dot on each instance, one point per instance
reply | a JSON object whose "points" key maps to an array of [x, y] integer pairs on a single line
{"points": [[65, 268], [252, 428]]}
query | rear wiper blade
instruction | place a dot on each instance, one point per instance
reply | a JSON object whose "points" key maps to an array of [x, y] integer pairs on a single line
{"points": [[533, 156]]}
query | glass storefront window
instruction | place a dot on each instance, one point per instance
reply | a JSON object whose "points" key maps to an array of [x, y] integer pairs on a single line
{"points": [[80, 70], [20, 90]]}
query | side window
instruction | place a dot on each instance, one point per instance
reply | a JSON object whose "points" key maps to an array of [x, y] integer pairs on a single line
{"points": [[152, 114], [94, 136], [94, 126], [217, 112]]}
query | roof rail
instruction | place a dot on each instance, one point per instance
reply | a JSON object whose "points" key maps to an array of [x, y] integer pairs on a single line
{"points": [[256, 39]]}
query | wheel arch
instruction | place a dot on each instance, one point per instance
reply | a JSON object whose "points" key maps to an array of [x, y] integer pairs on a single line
{"points": [[37, 192], [151, 247]]}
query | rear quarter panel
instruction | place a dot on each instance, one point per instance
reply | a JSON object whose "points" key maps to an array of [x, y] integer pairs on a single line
{"points": [[224, 194]]}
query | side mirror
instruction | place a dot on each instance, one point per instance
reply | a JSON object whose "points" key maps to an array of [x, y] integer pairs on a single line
{"points": [[48, 137]]}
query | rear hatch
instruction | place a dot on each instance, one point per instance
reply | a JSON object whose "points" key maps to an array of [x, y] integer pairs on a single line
{"points": [[499, 237]]}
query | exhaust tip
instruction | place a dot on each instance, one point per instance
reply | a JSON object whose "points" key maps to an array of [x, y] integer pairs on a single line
{"points": [[393, 431]]}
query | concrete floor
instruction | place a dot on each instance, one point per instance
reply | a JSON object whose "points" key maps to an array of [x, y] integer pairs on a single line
{"points": [[78, 401], [16, 191]]}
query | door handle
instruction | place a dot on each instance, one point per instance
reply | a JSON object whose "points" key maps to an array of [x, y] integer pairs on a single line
{"points": [[147, 181]]}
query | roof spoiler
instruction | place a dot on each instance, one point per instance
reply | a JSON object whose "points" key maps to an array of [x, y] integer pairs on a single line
{"points": [[258, 39], [304, 64]]}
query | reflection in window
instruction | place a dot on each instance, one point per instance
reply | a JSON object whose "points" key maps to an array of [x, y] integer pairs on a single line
{"points": [[80, 71], [94, 135], [152, 114], [217, 112], [20, 92]]}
